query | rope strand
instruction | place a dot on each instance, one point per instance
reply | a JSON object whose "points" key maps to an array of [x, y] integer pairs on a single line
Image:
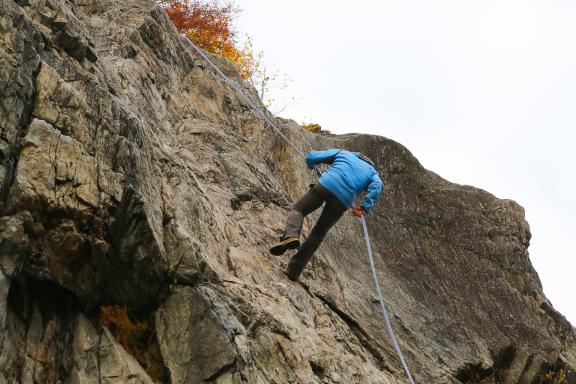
{"points": [[381, 300], [251, 104]]}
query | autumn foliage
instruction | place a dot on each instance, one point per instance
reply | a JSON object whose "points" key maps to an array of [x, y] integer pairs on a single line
{"points": [[208, 24], [133, 336], [122, 328]]}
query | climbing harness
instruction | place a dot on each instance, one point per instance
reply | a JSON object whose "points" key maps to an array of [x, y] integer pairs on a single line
{"points": [[267, 120]]}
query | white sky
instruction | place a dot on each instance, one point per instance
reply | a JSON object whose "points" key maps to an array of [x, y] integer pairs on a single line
{"points": [[482, 93]]}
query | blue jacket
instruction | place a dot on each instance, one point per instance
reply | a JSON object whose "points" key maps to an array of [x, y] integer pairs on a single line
{"points": [[347, 176]]}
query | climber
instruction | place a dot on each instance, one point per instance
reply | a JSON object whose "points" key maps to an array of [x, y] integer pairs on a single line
{"points": [[350, 173]]}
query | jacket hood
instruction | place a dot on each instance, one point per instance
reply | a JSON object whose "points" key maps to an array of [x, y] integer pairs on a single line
{"points": [[365, 158]]}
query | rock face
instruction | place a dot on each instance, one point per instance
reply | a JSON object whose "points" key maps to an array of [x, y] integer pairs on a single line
{"points": [[132, 175]]}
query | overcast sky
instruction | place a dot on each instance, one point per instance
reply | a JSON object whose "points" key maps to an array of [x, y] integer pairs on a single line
{"points": [[482, 93]]}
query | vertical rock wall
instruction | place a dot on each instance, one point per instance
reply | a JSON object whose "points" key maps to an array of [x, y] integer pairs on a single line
{"points": [[132, 176]]}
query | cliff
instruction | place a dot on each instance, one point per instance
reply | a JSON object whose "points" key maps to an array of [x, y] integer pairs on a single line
{"points": [[132, 176]]}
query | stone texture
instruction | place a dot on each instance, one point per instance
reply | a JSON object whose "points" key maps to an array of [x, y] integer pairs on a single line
{"points": [[184, 322], [116, 365], [132, 175]]}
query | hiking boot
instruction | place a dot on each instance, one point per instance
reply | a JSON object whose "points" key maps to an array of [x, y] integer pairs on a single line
{"points": [[284, 245], [291, 276]]}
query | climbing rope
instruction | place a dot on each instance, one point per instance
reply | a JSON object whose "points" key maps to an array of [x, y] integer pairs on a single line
{"points": [[381, 299], [267, 120], [254, 107]]}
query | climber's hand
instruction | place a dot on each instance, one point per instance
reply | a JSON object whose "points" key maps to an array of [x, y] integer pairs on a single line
{"points": [[358, 212]]}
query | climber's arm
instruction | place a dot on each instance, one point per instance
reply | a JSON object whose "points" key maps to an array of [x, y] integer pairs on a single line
{"points": [[374, 189], [316, 157]]}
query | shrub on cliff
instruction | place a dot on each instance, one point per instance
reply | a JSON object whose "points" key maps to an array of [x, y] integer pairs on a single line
{"points": [[208, 24]]}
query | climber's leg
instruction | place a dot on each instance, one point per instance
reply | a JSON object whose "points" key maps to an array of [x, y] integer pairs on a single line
{"points": [[331, 213], [311, 201], [308, 203]]}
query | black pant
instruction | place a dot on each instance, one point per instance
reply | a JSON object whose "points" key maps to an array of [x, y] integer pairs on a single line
{"points": [[311, 201]]}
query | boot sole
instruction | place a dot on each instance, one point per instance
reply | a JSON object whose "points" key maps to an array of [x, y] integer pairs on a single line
{"points": [[279, 249]]}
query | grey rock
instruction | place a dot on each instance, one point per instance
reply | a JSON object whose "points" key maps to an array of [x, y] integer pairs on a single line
{"points": [[15, 243], [194, 340], [116, 365], [85, 353]]}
